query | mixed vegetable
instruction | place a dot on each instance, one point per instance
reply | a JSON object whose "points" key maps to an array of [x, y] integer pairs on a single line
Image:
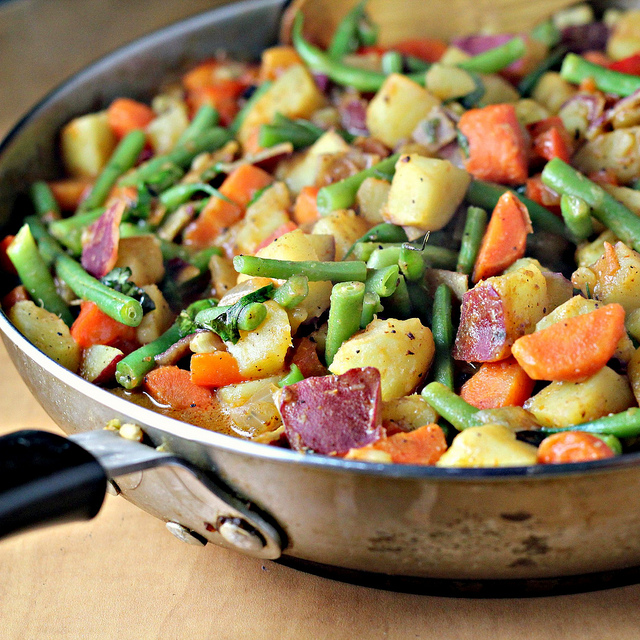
{"points": [[424, 254]]}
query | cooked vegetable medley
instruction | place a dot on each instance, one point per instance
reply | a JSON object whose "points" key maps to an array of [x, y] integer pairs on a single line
{"points": [[426, 253]]}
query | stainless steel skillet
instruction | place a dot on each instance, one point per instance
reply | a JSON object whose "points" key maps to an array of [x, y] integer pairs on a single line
{"points": [[421, 526]]}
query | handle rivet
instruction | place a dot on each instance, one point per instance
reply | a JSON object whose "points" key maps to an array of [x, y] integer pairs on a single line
{"points": [[186, 535], [241, 535]]}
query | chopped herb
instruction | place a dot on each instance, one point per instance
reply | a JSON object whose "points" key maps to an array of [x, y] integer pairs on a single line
{"points": [[463, 143], [118, 280]]}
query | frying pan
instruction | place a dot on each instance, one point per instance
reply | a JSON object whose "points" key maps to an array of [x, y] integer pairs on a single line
{"points": [[434, 530]]}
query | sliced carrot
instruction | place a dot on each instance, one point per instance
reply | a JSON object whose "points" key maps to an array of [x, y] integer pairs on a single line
{"points": [[125, 115], [497, 146], [223, 95], [424, 445], [172, 386], [275, 60], [550, 139], [572, 446], [240, 186], [587, 85], [505, 238], [498, 384], [280, 231], [427, 49], [305, 210], [201, 76], [5, 262], [93, 326], [17, 294], [539, 192], [215, 369], [572, 349], [69, 193]]}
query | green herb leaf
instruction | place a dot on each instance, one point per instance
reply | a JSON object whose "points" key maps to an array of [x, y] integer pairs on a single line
{"points": [[118, 280]]}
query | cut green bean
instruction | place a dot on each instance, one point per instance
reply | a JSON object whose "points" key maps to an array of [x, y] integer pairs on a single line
{"points": [[474, 228], [115, 304], [577, 216], [564, 179], [384, 257], [450, 406], [486, 195], [399, 303], [294, 375], [442, 328], [370, 307], [35, 275], [123, 158], [495, 59], [344, 316], [206, 117], [234, 127], [622, 425], [342, 194], [181, 193], [252, 316], [392, 62], [611, 441], [383, 282], [575, 69], [292, 292], [384, 232], [68, 231], [49, 247], [345, 37], [44, 203], [314, 270]]}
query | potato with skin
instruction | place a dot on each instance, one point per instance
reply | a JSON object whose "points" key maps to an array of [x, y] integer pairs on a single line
{"points": [[402, 350], [562, 404]]}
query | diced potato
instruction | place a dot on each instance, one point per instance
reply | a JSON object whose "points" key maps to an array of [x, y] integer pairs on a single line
{"points": [[47, 332], [154, 323], [630, 198], [397, 108], [589, 252], [87, 143], [383, 345], [616, 150], [223, 275], [294, 94], [345, 226], [425, 192], [497, 90], [206, 342], [559, 289], [236, 395], [633, 372], [275, 60], [142, 254], [262, 352], [324, 245], [576, 116], [618, 276], [242, 289], [572, 16], [303, 170], [263, 217], [529, 111], [453, 56], [491, 445], [625, 39], [552, 91], [408, 413], [448, 82], [163, 132], [371, 199], [562, 404], [632, 324]]}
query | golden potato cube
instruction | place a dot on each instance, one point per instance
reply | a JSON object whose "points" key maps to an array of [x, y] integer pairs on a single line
{"points": [[562, 404], [141, 254], [397, 108], [497, 90], [447, 82], [529, 111], [408, 413], [425, 192], [616, 150], [625, 39], [154, 323], [401, 350], [87, 143], [618, 276], [345, 226], [552, 91], [163, 132], [371, 199]]}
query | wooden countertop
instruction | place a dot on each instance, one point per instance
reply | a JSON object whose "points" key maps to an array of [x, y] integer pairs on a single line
{"points": [[122, 575]]}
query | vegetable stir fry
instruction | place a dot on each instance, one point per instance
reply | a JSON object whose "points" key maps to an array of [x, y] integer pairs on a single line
{"points": [[426, 253]]}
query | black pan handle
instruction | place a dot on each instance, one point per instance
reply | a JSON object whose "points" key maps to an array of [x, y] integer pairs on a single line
{"points": [[46, 479]]}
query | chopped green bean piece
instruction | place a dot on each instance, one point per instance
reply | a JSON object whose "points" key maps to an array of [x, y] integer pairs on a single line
{"points": [[314, 270], [344, 316], [474, 228]]}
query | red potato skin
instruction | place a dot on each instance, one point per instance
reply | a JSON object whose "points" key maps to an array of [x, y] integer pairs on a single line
{"points": [[333, 414], [100, 252]]}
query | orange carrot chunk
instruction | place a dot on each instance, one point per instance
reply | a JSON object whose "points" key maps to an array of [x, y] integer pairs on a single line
{"points": [[551, 139], [425, 445], [172, 386], [427, 49], [125, 115], [572, 446], [215, 369], [505, 238], [498, 384], [5, 261], [497, 146], [222, 94], [305, 210], [93, 326], [17, 294], [572, 349]]}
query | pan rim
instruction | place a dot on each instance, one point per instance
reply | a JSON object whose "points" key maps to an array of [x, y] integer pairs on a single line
{"points": [[229, 443]]}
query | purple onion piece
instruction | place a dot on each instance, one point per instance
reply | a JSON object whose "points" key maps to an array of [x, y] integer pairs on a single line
{"points": [[453, 154], [353, 116], [435, 131], [176, 351], [475, 44], [585, 37], [322, 82]]}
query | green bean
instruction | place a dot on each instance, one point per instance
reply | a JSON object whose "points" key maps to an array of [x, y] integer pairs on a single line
{"points": [[200, 259], [35, 275], [391, 62], [474, 228], [528, 83], [206, 117], [299, 133], [344, 316], [370, 307], [314, 270], [450, 406], [577, 216], [342, 194], [49, 247], [411, 263], [123, 158], [181, 193], [384, 232], [442, 328], [383, 282], [384, 257], [611, 441], [292, 292], [495, 59], [321, 62], [416, 64], [576, 69], [132, 369], [547, 32], [115, 304], [622, 425], [294, 375], [345, 37], [251, 315], [44, 203], [69, 231], [486, 195], [564, 179], [234, 127], [399, 303]]}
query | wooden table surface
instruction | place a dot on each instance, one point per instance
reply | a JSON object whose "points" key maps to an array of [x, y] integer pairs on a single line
{"points": [[123, 575]]}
